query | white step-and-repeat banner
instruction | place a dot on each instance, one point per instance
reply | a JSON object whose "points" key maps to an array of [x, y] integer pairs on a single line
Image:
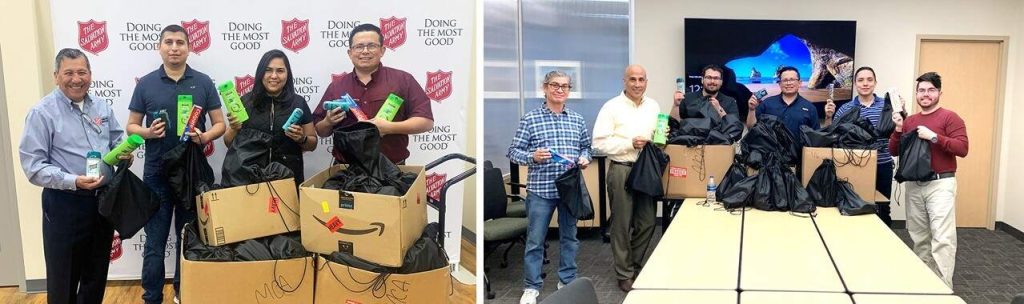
{"points": [[431, 40]]}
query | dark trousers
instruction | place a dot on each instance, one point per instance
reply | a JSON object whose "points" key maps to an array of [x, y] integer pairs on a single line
{"points": [[76, 247], [157, 231], [883, 183]]}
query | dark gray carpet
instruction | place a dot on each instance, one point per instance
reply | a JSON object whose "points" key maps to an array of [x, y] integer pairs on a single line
{"points": [[989, 267]]}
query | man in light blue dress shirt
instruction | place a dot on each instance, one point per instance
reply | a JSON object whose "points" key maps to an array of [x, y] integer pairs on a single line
{"points": [[59, 131]]}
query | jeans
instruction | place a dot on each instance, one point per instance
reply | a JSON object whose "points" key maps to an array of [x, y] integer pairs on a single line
{"points": [[157, 230], [538, 212]]}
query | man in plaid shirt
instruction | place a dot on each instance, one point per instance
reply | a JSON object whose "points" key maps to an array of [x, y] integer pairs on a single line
{"points": [[543, 133]]}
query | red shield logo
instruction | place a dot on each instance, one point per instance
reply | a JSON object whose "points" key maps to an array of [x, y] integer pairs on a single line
{"points": [[439, 85], [115, 247], [338, 77], [92, 36], [295, 34], [434, 184], [244, 84], [198, 35], [394, 32], [208, 149]]}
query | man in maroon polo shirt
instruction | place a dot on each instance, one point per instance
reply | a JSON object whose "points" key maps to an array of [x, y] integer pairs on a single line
{"points": [[931, 203], [369, 84]]}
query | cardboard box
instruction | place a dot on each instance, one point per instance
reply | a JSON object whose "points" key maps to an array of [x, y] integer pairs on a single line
{"points": [[860, 172], [338, 283], [280, 281], [688, 169], [377, 228], [247, 212]]}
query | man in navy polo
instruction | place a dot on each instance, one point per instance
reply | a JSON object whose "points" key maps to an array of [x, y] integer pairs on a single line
{"points": [[791, 108], [161, 90]]}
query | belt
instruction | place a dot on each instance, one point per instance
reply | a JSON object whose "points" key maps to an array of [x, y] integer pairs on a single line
{"points": [[939, 176], [83, 192], [627, 164]]}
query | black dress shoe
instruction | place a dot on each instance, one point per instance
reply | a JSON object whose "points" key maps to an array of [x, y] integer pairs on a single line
{"points": [[626, 285]]}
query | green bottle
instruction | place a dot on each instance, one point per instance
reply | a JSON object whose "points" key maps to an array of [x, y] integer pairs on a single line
{"points": [[127, 146], [659, 130], [390, 107], [184, 109], [232, 101]]}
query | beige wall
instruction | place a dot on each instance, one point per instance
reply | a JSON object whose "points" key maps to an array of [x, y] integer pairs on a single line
{"points": [[886, 41], [27, 47], [1010, 210]]}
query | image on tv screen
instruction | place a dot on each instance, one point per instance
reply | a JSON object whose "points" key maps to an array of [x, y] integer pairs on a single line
{"points": [[751, 51]]}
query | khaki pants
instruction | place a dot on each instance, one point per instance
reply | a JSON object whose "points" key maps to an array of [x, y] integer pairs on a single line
{"points": [[633, 219], [931, 221]]}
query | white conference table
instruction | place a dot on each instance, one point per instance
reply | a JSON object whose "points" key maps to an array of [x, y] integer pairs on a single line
{"points": [[681, 296], [906, 299], [700, 250], [776, 297], [872, 259], [783, 252]]}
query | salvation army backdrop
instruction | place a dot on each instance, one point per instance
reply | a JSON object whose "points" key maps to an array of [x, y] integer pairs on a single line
{"points": [[429, 39]]}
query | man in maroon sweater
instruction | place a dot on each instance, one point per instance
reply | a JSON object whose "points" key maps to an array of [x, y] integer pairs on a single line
{"points": [[931, 204], [369, 84]]}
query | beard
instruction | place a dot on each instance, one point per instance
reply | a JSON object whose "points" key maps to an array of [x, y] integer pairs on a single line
{"points": [[709, 91], [935, 103]]}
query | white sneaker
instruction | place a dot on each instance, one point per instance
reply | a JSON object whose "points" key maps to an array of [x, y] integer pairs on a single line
{"points": [[529, 296], [560, 285], [176, 301]]}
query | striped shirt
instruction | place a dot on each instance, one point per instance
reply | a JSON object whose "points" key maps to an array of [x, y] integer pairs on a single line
{"points": [[873, 114], [564, 133]]}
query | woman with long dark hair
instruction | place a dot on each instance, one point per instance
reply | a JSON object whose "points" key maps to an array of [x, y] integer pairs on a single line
{"points": [[269, 105]]}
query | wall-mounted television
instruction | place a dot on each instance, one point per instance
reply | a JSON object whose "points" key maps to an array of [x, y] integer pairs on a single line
{"points": [[752, 50]]}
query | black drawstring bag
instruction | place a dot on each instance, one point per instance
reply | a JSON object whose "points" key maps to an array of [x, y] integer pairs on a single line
{"points": [[195, 250], [885, 124], [187, 171], [572, 190], [426, 254], [815, 138], [369, 170], [797, 198], [127, 203], [915, 159], [736, 172], [276, 247], [857, 135], [849, 202], [850, 116], [740, 194], [764, 197], [249, 151], [822, 186], [769, 135], [645, 176]]}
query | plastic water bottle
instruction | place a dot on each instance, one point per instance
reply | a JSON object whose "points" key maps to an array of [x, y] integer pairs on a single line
{"points": [[712, 188], [92, 164], [681, 85]]}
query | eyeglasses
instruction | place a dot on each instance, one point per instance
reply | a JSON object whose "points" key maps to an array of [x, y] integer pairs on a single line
{"points": [[789, 80], [365, 47], [712, 78], [556, 86], [928, 90]]}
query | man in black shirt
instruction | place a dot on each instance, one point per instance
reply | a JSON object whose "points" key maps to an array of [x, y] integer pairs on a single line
{"points": [[690, 105]]}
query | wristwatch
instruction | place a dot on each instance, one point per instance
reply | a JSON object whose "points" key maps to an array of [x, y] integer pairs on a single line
{"points": [[935, 139]]}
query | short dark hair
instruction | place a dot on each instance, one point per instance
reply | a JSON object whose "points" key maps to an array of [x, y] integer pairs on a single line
{"points": [[72, 54], [778, 73], [365, 27], [173, 28], [931, 77], [713, 67], [865, 68]]}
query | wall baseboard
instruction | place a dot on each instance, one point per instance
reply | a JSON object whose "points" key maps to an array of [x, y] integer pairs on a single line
{"points": [[469, 236], [35, 286], [1016, 233]]}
